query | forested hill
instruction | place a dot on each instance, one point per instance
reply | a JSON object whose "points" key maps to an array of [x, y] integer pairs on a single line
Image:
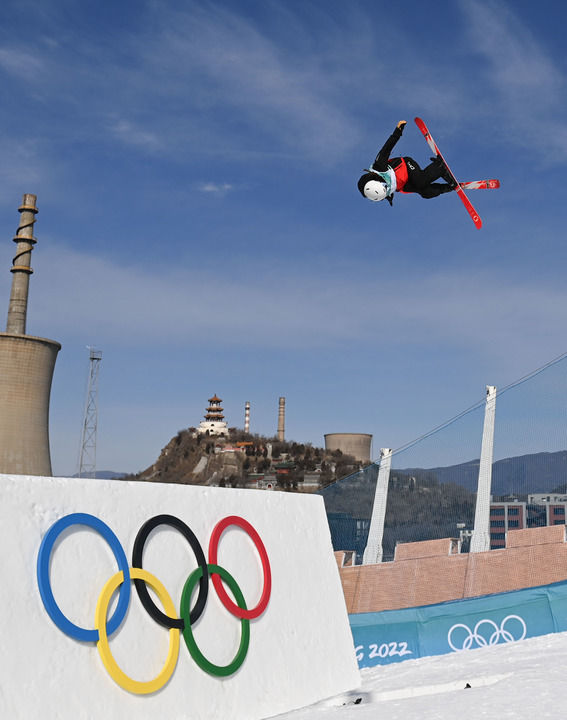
{"points": [[539, 472]]}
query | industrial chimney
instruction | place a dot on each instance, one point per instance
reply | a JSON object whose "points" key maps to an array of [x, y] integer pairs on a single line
{"points": [[26, 369], [281, 420], [247, 417]]}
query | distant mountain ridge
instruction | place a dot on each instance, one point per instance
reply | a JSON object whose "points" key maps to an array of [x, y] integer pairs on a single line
{"points": [[538, 472], [104, 475]]}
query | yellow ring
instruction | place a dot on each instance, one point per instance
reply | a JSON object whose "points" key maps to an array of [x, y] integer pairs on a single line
{"points": [[120, 677]]}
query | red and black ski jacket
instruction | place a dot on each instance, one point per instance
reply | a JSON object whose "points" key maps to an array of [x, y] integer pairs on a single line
{"points": [[398, 164]]}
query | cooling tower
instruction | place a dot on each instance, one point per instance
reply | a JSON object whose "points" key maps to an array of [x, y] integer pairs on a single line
{"points": [[26, 369], [355, 444]]}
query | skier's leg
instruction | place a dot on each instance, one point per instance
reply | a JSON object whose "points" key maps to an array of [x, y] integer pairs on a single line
{"points": [[422, 181], [434, 190], [435, 170], [419, 179]]}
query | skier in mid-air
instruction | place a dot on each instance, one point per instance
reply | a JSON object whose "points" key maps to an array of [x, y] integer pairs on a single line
{"points": [[402, 174]]}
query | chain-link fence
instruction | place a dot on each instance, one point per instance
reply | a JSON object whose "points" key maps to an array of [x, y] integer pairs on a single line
{"points": [[433, 479]]}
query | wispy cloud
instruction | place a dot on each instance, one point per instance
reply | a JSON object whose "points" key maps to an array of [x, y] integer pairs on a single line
{"points": [[207, 78], [131, 134], [20, 63], [215, 188], [21, 169], [204, 78], [530, 90], [278, 91], [294, 309]]}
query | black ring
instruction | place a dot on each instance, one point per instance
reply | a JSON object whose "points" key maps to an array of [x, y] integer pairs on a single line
{"points": [[141, 588]]}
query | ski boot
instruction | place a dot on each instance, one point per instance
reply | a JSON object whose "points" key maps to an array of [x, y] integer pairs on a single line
{"points": [[445, 174]]}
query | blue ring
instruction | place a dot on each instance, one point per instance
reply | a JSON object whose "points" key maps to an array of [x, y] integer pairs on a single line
{"points": [[43, 558]]}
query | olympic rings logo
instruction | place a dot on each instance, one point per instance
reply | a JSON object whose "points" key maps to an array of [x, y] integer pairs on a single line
{"points": [[495, 634], [176, 624]]}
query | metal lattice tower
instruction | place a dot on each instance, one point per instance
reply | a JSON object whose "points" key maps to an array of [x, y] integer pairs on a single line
{"points": [[87, 459]]}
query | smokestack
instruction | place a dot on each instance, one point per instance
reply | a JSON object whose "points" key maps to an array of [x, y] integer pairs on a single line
{"points": [[247, 417], [26, 369], [21, 269], [281, 420]]}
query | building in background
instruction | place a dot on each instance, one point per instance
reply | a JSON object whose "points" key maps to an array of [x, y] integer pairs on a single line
{"points": [[547, 509], [541, 510], [214, 423], [555, 513], [506, 516]]}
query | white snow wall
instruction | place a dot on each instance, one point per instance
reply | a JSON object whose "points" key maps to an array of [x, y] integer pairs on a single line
{"points": [[301, 647]]}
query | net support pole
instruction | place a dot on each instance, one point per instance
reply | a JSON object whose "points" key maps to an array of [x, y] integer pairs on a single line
{"points": [[373, 549], [480, 539]]}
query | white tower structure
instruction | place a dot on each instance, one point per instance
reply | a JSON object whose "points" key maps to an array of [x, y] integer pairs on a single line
{"points": [[247, 417], [214, 423], [480, 539], [373, 550], [87, 459]]}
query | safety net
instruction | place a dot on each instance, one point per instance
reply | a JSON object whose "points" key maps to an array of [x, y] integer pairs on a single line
{"points": [[432, 483]]}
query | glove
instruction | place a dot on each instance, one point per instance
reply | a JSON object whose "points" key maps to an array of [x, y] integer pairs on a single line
{"points": [[401, 125]]}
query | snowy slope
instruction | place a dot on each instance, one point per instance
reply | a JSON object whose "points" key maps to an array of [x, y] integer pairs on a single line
{"points": [[520, 680]]}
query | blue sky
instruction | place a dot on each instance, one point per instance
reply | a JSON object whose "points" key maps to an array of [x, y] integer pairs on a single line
{"points": [[195, 165]]}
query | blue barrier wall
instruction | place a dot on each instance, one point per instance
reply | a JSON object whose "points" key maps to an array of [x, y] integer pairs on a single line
{"points": [[396, 635]]}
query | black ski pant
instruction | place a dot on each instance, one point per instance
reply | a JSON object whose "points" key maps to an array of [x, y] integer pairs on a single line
{"points": [[422, 181]]}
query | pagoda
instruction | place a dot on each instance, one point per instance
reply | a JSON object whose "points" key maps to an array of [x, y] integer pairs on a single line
{"points": [[214, 423]]}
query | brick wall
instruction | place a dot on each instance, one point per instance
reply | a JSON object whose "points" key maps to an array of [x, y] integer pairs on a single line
{"points": [[426, 548], [434, 571], [536, 536]]}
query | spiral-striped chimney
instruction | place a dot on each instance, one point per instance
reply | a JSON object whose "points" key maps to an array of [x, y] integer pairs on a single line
{"points": [[26, 368]]}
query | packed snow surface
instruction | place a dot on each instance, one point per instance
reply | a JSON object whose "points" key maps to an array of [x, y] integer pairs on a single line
{"points": [[527, 679]]}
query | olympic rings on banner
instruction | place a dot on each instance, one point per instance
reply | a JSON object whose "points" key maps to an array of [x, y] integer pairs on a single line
{"points": [[126, 682], [45, 550], [196, 654], [221, 592], [496, 633], [143, 593], [175, 624]]}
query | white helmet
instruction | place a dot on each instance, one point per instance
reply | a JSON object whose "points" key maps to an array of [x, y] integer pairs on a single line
{"points": [[375, 190]]}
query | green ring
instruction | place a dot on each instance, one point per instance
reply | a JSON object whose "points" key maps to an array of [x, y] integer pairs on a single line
{"points": [[196, 654]]}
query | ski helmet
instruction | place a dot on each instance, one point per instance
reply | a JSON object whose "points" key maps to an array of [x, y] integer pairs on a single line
{"points": [[375, 190]]}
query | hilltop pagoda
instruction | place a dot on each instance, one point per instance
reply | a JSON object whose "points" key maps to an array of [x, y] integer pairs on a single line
{"points": [[214, 423]]}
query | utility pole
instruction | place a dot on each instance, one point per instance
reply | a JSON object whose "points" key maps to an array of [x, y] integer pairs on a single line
{"points": [[87, 459]]}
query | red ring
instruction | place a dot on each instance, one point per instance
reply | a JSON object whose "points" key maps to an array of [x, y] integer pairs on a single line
{"points": [[217, 582]]}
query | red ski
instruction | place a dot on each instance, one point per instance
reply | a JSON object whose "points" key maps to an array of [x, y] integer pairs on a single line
{"points": [[480, 185], [459, 189]]}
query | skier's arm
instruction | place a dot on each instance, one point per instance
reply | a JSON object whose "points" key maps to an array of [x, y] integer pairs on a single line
{"points": [[381, 162]]}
